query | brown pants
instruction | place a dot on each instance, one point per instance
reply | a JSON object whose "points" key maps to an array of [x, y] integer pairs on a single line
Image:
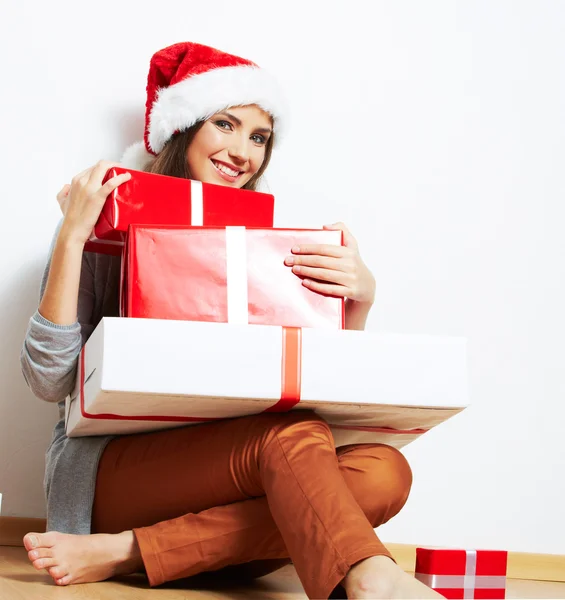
{"points": [[252, 490]]}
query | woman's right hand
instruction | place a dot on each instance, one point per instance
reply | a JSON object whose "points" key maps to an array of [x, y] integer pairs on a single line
{"points": [[82, 201]]}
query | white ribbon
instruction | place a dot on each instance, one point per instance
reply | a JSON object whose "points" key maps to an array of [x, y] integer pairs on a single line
{"points": [[470, 573], [236, 259], [196, 203]]}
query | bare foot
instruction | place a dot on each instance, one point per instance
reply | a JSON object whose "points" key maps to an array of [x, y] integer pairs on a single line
{"points": [[83, 558], [380, 577]]}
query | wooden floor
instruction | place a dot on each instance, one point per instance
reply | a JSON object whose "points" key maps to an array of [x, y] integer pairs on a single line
{"points": [[20, 581]]}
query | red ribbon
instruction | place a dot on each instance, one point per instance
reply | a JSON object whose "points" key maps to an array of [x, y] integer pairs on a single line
{"points": [[291, 375]]}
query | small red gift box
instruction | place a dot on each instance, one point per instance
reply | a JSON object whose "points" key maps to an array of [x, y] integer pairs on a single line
{"points": [[463, 573], [229, 275], [149, 199]]}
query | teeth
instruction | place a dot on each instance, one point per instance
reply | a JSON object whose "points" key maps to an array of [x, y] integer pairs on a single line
{"points": [[226, 170]]}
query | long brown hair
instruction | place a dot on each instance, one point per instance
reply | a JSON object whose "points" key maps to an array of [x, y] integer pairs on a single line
{"points": [[172, 159]]}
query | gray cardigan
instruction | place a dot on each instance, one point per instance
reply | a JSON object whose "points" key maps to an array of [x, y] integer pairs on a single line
{"points": [[49, 361]]}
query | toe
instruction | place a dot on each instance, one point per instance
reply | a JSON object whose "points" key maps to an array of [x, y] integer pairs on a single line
{"points": [[40, 553], [31, 541], [34, 540], [66, 580], [57, 572], [44, 563]]}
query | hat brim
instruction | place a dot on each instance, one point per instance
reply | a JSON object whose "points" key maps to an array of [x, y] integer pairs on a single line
{"points": [[197, 98]]}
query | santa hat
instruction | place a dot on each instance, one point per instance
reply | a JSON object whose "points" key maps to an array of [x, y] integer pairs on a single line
{"points": [[189, 82]]}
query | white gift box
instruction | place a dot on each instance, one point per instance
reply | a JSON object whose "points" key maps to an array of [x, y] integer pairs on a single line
{"points": [[146, 374]]}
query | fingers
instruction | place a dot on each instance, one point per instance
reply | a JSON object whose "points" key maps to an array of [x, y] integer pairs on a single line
{"points": [[113, 183], [99, 171], [349, 244], [94, 174], [321, 250], [333, 270], [339, 226], [348, 240], [345, 264], [327, 275], [324, 268], [315, 260], [327, 289], [93, 177], [82, 176]]}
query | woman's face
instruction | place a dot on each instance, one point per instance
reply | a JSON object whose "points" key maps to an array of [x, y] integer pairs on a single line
{"points": [[230, 147]]}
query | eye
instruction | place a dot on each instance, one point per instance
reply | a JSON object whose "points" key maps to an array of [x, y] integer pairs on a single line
{"points": [[258, 139], [226, 125]]}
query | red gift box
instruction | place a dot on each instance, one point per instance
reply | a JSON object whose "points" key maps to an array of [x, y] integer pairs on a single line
{"points": [[229, 275], [149, 199], [463, 573]]}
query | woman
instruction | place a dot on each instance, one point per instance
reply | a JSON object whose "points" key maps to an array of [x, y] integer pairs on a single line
{"points": [[245, 495]]}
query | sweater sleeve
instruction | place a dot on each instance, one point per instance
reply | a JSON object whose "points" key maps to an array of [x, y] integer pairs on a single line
{"points": [[49, 354]]}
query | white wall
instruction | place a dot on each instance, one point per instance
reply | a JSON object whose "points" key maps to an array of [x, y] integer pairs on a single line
{"points": [[433, 129]]}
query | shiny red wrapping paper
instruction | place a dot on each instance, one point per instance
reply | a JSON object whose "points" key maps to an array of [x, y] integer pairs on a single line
{"points": [[149, 199], [230, 275]]}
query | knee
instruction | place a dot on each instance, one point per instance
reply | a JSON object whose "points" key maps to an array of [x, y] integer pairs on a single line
{"points": [[301, 422], [383, 485], [400, 475]]}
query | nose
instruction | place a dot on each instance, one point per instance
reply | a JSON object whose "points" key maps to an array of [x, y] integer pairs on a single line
{"points": [[239, 149]]}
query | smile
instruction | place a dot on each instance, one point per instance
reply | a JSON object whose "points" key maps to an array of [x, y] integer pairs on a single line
{"points": [[226, 172]]}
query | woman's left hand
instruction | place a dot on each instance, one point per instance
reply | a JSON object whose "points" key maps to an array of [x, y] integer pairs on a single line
{"points": [[334, 270]]}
